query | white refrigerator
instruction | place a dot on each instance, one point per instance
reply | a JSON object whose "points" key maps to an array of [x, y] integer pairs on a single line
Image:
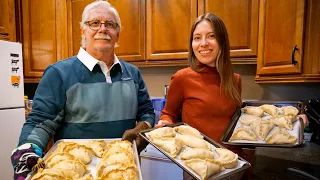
{"points": [[12, 111]]}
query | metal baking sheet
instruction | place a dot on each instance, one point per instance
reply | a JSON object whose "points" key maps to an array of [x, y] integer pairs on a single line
{"points": [[95, 160], [242, 165], [237, 114]]}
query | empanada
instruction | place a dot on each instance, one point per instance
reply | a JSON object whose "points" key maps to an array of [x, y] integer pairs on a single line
{"points": [[281, 136], [81, 152], [261, 128], [194, 142], [170, 145], [119, 158], [71, 168], [118, 146], [58, 157], [196, 153], [243, 134], [49, 174], [282, 121], [121, 174], [87, 177], [270, 109], [290, 110], [227, 158], [247, 119], [163, 132], [204, 167], [188, 130], [256, 111], [97, 146], [104, 168]]}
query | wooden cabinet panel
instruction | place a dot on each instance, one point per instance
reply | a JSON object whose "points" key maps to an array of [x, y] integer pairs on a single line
{"points": [[241, 18], [168, 28], [7, 20], [281, 29], [44, 36]]}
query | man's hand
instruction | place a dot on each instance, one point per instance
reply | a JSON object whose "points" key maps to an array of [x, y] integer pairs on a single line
{"points": [[162, 123], [304, 118], [26, 159], [132, 134]]}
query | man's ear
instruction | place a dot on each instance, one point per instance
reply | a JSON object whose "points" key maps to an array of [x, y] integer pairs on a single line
{"points": [[83, 33]]}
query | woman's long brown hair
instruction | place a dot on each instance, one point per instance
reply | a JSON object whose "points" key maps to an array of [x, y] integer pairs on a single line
{"points": [[228, 85]]}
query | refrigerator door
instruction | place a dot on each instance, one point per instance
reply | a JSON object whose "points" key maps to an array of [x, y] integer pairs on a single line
{"points": [[11, 122], [11, 75]]}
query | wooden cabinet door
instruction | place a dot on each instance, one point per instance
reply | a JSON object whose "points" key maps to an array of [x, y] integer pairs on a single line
{"points": [[168, 28], [44, 35], [7, 20], [241, 19], [281, 28], [131, 39]]}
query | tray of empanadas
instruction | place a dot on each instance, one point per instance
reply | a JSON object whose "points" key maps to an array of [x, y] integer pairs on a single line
{"points": [[194, 152], [90, 159], [266, 123]]}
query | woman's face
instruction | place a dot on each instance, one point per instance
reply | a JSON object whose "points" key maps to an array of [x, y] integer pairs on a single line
{"points": [[204, 43]]}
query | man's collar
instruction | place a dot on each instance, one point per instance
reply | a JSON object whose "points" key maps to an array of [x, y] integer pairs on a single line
{"points": [[90, 61]]}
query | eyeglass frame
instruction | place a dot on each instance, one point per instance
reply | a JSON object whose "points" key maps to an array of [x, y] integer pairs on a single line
{"points": [[104, 23]]}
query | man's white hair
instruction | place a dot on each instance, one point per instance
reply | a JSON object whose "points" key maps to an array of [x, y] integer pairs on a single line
{"points": [[93, 5]]}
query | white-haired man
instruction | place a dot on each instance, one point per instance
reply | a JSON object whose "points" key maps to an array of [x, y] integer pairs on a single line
{"points": [[91, 95]]}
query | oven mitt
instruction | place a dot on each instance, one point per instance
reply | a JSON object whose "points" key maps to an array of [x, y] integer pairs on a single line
{"points": [[133, 134], [26, 158]]}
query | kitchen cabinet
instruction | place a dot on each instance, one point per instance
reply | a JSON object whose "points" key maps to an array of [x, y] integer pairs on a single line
{"points": [[7, 20], [289, 35], [44, 36], [241, 20]]}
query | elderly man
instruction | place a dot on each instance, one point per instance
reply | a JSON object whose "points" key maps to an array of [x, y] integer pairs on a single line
{"points": [[91, 95]]}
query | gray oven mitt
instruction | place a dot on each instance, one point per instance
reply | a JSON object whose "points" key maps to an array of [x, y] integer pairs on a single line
{"points": [[26, 158]]}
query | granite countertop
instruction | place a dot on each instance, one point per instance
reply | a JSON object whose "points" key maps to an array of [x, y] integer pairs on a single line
{"points": [[308, 153]]}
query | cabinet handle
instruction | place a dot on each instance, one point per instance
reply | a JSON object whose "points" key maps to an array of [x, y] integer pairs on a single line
{"points": [[294, 62], [5, 34]]}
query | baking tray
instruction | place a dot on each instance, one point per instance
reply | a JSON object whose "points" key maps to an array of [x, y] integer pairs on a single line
{"points": [[95, 160], [237, 114], [242, 165]]}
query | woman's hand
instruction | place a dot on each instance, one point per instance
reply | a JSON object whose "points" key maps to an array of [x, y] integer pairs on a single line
{"points": [[304, 118], [162, 123]]}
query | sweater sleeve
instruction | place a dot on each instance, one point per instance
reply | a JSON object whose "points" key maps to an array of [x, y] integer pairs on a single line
{"points": [[174, 99], [47, 110]]}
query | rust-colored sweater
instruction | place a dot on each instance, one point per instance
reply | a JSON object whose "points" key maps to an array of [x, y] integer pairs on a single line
{"points": [[197, 95]]}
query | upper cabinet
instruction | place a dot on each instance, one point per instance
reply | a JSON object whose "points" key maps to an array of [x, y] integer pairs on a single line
{"points": [[168, 27], [44, 37], [7, 20], [132, 36], [288, 41], [241, 19]]}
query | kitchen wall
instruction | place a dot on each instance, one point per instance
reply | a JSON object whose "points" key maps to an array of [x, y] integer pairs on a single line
{"points": [[156, 77]]}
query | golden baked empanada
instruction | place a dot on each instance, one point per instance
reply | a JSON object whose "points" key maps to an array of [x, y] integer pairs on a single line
{"points": [[196, 153], [163, 132], [247, 119], [290, 110], [270, 109], [170, 145], [256, 111], [97, 146], [58, 157], [62, 145], [49, 174], [118, 158], [261, 128], [87, 177], [281, 136], [188, 130], [81, 152], [71, 168], [121, 174], [227, 158], [243, 134], [118, 146], [204, 167], [194, 142], [104, 167], [282, 121]]}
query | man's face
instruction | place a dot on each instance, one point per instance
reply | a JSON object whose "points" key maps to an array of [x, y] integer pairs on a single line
{"points": [[103, 39]]}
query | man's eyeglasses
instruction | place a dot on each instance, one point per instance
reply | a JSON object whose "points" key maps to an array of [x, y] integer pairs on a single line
{"points": [[96, 25]]}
